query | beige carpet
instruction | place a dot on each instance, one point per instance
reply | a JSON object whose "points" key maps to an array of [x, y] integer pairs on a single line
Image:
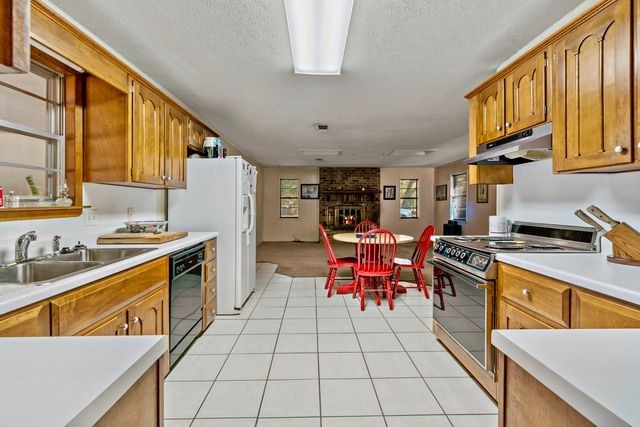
{"points": [[309, 259]]}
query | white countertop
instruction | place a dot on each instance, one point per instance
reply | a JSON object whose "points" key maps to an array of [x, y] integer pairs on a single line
{"points": [[590, 271], [17, 296], [596, 371], [70, 380]]}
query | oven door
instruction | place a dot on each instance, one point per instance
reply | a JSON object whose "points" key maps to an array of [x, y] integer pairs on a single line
{"points": [[468, 317]]}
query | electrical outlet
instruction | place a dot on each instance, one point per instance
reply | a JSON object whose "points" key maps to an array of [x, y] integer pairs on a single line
{"points": [[129, 214], [91, 217]]}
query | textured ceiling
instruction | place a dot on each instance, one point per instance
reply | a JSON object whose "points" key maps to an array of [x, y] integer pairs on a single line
{"points": [[406, 69]]}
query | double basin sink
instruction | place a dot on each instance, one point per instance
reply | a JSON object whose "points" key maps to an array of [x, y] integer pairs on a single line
{"points": [[54, 267]]}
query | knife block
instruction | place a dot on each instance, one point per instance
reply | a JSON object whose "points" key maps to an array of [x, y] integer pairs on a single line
{"points": [[626, 245]]}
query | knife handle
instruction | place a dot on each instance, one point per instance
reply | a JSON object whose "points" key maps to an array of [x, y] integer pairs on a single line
{"points": [[602, 216], [586, 218]]}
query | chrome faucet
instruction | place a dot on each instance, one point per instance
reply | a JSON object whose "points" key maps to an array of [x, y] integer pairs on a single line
{"points": [[55, 244], [22, 245]]}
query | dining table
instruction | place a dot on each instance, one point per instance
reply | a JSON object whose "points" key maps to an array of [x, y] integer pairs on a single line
{"points": [[355, 238]]}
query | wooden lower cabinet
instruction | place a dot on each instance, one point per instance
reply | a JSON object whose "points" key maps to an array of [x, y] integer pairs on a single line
{"points": [[528, 402], [209, 288], [141, 405], [512, 318], [113, 325], [32, 321], [597, 311], [82, 309], [150, 314]]}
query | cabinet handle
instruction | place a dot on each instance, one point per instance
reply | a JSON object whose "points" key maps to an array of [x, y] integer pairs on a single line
{"points": [[164, 177], [124, 327], [169, 178], [639, 145], [508, 124], [526, 292], [135, 319], [619, 149], [498, 128]]}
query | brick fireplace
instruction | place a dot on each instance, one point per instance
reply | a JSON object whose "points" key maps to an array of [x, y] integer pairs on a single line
{"points": [[348, 196]]}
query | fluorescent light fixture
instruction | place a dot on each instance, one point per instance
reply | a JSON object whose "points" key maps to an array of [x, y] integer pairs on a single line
{"points": [[320, 152], [318, 34], [412, 152]]}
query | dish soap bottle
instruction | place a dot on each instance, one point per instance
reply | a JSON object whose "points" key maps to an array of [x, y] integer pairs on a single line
{"points": [[63, 200]]}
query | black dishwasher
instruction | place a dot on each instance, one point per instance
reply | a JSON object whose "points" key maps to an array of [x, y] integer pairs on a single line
{"points": [[185, 300]]}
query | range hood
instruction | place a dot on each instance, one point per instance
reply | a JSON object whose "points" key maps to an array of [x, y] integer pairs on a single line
{"points": [[522, 147]]}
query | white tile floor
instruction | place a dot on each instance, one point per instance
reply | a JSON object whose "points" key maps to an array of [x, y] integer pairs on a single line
{"points": [[295, 358]]}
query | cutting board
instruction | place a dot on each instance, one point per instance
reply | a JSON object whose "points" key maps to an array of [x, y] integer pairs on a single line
{"points": [[138, 238]]}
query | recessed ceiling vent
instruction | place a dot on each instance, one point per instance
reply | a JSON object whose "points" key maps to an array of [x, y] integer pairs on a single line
{"points": [[323, 152], [322, 128]]}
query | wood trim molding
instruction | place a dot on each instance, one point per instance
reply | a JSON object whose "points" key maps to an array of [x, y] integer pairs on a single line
{"points": [[12, 214], [15, 17]]}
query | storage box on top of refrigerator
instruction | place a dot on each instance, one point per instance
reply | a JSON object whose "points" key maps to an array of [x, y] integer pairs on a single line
{"points": [[220, 196]]}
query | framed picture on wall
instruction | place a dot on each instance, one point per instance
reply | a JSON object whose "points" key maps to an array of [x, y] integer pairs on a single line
{"points": [[441, 192], [482, 193], [389, 192], [309, 191]]}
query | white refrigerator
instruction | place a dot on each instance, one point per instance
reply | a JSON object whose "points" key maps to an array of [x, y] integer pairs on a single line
{"points": [[220, 196]]}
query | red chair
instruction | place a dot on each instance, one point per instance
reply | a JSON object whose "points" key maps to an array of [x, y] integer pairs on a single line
{"points": [[364, 226], [333, 262], [416, 263], [439, 277], [376, 251]]}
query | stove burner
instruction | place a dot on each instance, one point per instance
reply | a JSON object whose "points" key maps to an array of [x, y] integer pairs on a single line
{"points": [[466, 239], [507, 246], [497, 239], [542, 246]]}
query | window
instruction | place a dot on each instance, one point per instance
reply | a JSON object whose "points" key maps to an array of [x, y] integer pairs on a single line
{"points": [[32, 143], [458, 207], [408, 198], [289, 190]]}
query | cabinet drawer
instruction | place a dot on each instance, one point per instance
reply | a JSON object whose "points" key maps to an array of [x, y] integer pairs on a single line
{"points": [[208, 313], [209, 292], [79, 309], [210, 249], [592, 311], [210, 271], [542, 295]]}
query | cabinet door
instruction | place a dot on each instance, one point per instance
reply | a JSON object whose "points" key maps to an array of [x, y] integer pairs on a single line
{"points": [[512, 318], [591, 311], [196, 135], [525, 99], [592, 85], [113, 325], [490, 120], [150, 315], [148, 136], [30, 322], [175, 155]]}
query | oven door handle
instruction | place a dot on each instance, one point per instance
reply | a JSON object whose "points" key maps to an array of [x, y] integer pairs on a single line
{"points": [[476, 282]]}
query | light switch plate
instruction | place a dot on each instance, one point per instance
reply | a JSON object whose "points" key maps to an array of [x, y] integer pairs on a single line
{"points": [[91, 217]]}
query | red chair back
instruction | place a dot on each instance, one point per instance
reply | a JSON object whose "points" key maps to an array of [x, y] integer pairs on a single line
{"points": [[365, 226], [422, 247], [331, 256], [376, 251]]}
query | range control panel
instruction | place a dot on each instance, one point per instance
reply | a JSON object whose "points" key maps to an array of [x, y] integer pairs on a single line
{"points": [[459, 254]]}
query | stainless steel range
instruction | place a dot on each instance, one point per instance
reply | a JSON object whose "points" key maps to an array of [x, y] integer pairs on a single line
{"points": [[467, 265]]}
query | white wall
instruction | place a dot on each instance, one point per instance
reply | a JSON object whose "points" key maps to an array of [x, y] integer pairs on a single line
{"points": [[276, 229], [540, 196], [111, 203], [390, 209]]}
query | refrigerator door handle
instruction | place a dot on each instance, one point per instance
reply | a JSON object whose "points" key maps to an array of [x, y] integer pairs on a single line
{"points": [[252, 217]]}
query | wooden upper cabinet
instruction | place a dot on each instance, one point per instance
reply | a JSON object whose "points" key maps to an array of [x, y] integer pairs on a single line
{"points": [[196, 135], [592, 88], [148, 135], [525, 100], [175, 146], [490, 120]]}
